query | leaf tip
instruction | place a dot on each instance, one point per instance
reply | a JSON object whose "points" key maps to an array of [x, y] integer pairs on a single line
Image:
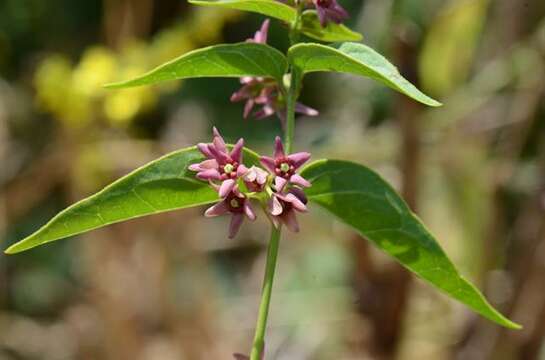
{"points": [[11, 250], [434, 103], [114, 85], [357, 36], [513, 325]]}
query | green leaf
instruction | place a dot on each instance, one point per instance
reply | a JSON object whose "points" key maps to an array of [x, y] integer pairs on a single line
{"points": [[272, 8], [357, 59], [163, 185], [226, 60], [311, 27], [362, 199]]}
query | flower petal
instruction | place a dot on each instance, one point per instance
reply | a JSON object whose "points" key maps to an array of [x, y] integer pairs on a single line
{"points": [[209, 164], [262, 34], [248, 108], [305, 110], [290, 220], [299, 180], [242, 170], [204, 149], [268, 162], [278, 148], [296, 203], [219, 143], [262, 175], [249, 211], [210, 174], [265, 112], [322, 15], [275, 207], [195, 167], [250, 175], [236, 153], [234, 226], [226, 187], [279, 183], [219, 209], [299, 159]]}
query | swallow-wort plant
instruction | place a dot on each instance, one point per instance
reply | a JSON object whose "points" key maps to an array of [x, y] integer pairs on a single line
{"points": [[237, 182]]}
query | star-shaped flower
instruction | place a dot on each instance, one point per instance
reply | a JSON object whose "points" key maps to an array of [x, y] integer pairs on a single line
{"points": [[283, 207], [236, 204], [284, 167], [221, 165]]}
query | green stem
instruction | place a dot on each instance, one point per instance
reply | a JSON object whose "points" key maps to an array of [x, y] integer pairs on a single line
{"points": [[294, 84], [294, 28], [272, 254], [290, 118]]}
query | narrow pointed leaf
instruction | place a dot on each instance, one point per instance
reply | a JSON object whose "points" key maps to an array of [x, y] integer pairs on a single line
{"points": [[163, 185], [311, 27], [227, 60], [357, 59], [272, 8], [363, 200]]}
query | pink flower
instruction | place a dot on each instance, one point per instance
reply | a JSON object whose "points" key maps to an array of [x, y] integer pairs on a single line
{"points": [[221, 165], [284, 167], [255, 179], [273, 102], [236, 204], [330, 10], [262, 34], [284, 205], [265, 92]]}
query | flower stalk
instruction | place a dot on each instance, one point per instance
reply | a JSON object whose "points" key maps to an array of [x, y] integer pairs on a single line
{"points": [[291, 102], [272, 255], [289, 133]]}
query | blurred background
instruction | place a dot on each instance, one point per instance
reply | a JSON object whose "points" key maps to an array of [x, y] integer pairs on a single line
{"points": [[172, 286]]}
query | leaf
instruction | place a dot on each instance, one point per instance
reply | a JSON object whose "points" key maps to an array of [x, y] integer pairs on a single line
{"points": [[226, 60], [357, 59], [272, 8], [362, 199], [310, 26], [163, 185]]}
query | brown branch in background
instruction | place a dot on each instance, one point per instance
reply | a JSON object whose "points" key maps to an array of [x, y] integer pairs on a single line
{"points": [[3, 207], [517, 240], [125, 20], [383, 294], [527, 267], [483, 339], [46, 173]]}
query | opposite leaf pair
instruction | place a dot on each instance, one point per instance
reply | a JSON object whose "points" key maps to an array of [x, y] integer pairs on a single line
{"points": [[351, 192]]}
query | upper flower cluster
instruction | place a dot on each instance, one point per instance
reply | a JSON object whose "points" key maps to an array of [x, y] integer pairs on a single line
{"points": [[264, 92], [328, 10], [280, 189]]}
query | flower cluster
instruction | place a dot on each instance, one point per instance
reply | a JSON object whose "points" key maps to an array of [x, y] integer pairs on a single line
{"points": [[280, 189], [328, 10], [264, 92]]}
